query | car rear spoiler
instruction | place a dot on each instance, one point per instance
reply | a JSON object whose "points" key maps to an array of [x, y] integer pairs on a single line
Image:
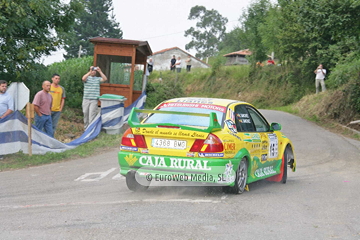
{"points": [[135, 122]]}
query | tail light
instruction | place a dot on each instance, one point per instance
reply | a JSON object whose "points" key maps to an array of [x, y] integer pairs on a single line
{"points": [[211, 144], [131, 140]]}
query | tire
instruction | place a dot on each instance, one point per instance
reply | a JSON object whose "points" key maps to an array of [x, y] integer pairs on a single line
{"points": [[240, 179], [287, 159], [134, 185]]}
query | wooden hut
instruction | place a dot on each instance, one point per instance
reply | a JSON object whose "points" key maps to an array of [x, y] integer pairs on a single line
{"points": [[124, 63]]}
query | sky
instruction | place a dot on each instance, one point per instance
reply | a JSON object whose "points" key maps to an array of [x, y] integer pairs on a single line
{"points": [[163, 22]]}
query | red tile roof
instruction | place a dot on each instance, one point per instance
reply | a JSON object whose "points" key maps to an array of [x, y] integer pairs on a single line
{"points": [[241, 52]]}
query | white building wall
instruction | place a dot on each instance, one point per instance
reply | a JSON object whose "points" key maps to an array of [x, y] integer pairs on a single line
{"points": [[162, 60]]}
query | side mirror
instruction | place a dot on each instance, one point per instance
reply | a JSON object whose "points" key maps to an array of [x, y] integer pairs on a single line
{"points": [[275, 126]]}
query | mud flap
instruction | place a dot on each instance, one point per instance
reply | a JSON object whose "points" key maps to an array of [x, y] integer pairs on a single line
{"points": [[278, 178]]}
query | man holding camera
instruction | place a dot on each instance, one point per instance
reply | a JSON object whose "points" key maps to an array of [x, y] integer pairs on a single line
{"points": [[91, 93], [319, 79]]}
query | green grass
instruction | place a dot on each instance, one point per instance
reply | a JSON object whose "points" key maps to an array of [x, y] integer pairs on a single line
{"points": [[20, 160]]}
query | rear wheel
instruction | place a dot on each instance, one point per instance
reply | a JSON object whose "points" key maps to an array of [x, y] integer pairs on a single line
{"points": [[133, 184], [240, 179], [287, 159]]}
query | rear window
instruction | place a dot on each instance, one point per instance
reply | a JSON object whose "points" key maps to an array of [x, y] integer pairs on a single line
{"points": [[185, 119]]}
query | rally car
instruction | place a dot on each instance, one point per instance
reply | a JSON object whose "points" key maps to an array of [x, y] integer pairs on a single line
{"points": [[216, 141]]}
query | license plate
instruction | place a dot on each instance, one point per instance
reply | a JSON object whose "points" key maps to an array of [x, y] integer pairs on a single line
{"points": [[167, 143]]}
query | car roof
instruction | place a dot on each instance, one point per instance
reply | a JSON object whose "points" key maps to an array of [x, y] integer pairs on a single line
{"points": [[213, 101]]}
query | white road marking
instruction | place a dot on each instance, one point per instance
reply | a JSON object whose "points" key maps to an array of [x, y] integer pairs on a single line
{"points": [[101, 175], [118, 177]]}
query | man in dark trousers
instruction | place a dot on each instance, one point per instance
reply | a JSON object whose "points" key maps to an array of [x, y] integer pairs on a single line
{"points": [[172, 63]]}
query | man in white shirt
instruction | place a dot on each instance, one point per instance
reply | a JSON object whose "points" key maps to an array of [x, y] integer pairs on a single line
{"points": [[178, 65], [319, 79]]}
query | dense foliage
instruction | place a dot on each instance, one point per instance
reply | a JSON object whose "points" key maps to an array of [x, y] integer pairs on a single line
{"points": [[162, 90], [31, 29], [302, 34], [97, 20], [71, 72]]}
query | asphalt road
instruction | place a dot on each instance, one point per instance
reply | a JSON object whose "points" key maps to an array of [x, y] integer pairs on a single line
{"points": [[87, 199]]}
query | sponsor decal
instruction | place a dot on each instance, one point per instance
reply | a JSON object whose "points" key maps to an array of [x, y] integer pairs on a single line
{"points": [[190, 154], [211, 154], [231, 115], [234, 135], [273, 147], [180, 163], [265, 145], [252, 137], [144, 151], [229, 146], [126, 148], [193, 105], [130, 159], [244, 120], [263, 157], [228, 176], [196, 100], [231, 125], [265, 171], [169, 133], [256, 146]]}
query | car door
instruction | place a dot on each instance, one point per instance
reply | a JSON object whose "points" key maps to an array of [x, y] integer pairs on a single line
{"points": [[255, 131]]}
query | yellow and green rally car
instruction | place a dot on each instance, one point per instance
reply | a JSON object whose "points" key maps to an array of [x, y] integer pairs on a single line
{"points": [[223, 142]]}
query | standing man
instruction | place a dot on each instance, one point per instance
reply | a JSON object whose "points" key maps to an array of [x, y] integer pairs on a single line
{"points": [[6, 101], [319, 79], [150, 65], [91, 94], [58, 95], [172, 63], [178, 65], [42, 106], [188, 63]]}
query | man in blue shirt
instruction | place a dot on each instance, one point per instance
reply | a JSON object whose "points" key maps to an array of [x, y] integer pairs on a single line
{"points": [[6, 101]]}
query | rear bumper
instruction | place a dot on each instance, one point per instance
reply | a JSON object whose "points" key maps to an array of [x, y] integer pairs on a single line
{"points": [[184, 169]]}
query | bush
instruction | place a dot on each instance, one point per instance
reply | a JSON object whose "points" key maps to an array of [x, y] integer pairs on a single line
{"points": [[71, 72], [159, 91]]}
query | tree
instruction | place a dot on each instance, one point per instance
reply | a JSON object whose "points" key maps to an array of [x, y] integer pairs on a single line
{"points": [[94, 21], [233, 41], [31, 29], [319, 31], [251, 20], [209, 32]]}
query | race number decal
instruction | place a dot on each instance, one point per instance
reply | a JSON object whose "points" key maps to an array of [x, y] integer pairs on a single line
{"points": [[273, 146]]}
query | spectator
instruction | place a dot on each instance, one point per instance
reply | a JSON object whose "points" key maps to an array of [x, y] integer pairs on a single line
{"points": [[42, 106], [58, 95], [259, 64], [178, 65], [6, 100], [270, 61], [172, 63], [150, 65], [188, 63], [91, 94], [320, 78]]}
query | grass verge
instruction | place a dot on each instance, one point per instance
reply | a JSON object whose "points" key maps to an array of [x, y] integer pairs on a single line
{"points": [[328, 124], [20, 160]]}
